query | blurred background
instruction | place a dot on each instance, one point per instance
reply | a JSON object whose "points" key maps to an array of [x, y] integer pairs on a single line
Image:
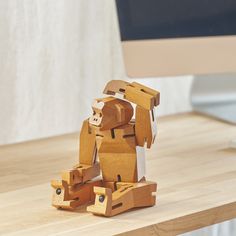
{"points": [[55, 58]]}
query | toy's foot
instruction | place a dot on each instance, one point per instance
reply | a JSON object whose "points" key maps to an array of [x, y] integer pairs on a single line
{"points": [[103, 202], [71, 197], [128, 195]]}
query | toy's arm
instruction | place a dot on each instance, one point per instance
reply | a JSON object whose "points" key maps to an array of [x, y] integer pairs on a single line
{"points": [[87, 168], [145, 126], [87, 149], [146, 99]]}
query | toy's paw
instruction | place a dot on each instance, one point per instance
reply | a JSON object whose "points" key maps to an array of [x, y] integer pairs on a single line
{"points": [[103, 202], [71, 197], [60, 195], [142, 96], [61, 198]]}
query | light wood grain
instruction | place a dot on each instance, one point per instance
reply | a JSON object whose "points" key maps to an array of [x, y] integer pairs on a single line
{"points": [[191, 161]]}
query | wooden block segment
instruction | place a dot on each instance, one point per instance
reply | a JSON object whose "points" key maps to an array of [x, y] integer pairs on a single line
{"points": [[142, 95], [119, 152], [118, 166], [127, 196], [115, 86], [87, 150], [81, 173], [154, 93], [143, 127], [103, 201], [139, 97], [134, 92], [110, 112], [70, 197]]}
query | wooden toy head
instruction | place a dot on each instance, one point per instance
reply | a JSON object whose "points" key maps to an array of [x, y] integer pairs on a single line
{"points": [[110, 112]]}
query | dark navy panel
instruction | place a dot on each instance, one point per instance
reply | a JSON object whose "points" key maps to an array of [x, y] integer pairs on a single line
{"points": [[158, 19]]}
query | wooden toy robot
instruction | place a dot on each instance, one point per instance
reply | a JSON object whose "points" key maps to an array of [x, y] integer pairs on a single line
{"points": [[111, 135]]}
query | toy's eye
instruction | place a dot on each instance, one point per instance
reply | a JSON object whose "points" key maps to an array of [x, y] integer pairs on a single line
{"points": [[94, 112], [100, 114]]}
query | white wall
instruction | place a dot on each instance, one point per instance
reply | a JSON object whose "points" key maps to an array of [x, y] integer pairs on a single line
{"points": [[55, 57]]}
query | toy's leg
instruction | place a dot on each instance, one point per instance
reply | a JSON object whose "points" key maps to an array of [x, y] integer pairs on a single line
{"points": [[70, 197], [127, 196]]}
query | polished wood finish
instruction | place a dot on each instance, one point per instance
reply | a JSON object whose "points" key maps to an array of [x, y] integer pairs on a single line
{"points": [[192, 163]]}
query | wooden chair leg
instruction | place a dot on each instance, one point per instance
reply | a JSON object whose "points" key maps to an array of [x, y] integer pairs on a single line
{"points": [[127, 196]]}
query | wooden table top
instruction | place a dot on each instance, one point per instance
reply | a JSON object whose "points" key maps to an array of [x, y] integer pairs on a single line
{"points": [[191, 161]]}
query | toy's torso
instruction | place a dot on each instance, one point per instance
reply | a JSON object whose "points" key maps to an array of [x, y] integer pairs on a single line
{"points": [[117, 152]]}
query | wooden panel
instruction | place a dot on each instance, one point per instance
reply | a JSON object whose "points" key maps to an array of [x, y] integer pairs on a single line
{"points": [[192, 164]]}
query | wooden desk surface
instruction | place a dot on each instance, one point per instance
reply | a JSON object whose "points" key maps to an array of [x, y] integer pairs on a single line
{"points": [[194, 168]]}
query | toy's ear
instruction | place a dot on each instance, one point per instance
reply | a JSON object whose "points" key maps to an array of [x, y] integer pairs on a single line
{"points": [[120, 113]]}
